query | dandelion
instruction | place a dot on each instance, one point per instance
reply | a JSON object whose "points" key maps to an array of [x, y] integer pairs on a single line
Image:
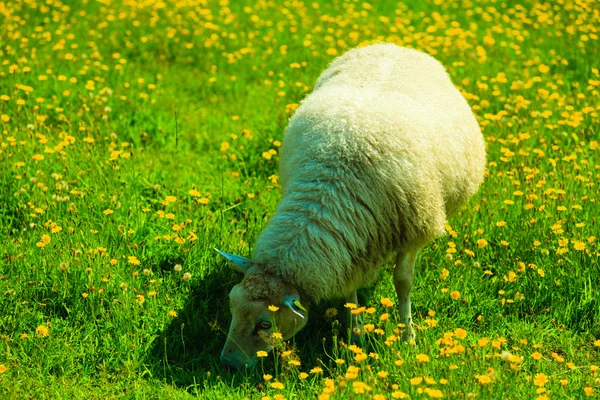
{"points": [[261, 353], [42, 331], [133, 260], [277, 385], [434, 393], [416, 381], [460, 333], [422, 358], [316, 370], [588, 391], [267, 377], [536, 356], [481, 243], [194, 193], [2, 368], [273, 308], [386, 302], [540, 379], [108, 211], [173, 313], [455, 295], [303, 375], [186, 276]]}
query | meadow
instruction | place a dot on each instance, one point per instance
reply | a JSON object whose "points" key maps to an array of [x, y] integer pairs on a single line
{"points": [[139, 135]]}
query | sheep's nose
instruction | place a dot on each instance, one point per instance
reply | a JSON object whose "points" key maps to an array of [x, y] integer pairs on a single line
{"points": [[229, 363]]}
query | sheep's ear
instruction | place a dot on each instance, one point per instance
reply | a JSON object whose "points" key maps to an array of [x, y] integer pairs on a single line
{"points": [[240, 263], [294, 304]]}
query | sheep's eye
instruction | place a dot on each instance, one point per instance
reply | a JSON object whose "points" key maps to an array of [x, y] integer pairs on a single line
{"points": [[264, 325]]}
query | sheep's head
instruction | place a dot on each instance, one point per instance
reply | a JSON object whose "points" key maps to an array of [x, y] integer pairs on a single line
{"points": [[252, 321]]}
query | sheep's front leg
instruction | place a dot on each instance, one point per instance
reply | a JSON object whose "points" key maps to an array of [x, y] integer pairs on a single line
{"points": [[355, 322], [403, 281]]}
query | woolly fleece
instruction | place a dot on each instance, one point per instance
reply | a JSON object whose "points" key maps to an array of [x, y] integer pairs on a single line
{"points": [[372, 163]]}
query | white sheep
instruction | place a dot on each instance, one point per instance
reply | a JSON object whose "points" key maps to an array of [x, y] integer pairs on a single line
{"points": [[372, 163]]}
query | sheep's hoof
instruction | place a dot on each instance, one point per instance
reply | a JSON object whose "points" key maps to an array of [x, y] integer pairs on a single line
{"points": [[409, 335]]}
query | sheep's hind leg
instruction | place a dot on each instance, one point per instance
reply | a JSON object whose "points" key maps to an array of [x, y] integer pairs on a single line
{"points": [[355, 322], [403, 281]]}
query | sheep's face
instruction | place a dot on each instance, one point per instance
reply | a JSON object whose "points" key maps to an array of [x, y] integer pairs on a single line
{"points": [[253, 323]]}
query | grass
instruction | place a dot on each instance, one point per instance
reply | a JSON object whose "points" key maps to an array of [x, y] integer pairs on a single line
{"points": [[137, 136]]}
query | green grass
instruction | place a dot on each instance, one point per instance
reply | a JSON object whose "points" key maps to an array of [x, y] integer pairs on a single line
{"points": [[132, 102]]}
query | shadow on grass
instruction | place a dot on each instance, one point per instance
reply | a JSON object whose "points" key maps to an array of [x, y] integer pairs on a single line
{"points": [[186, 353]]}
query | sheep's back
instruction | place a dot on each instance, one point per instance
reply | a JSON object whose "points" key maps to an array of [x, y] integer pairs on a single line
{"points": [[393, 116]]}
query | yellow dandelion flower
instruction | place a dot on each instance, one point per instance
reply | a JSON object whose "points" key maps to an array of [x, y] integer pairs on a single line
{"points": [[460, 333], [277, 385], [133, 260], [481, 243], [483, 379], [536, 356], [455, 295], [540, 379], [360, 357], [597, 343], [416, 381], [203, 201], [303, 375], [483, 342], [386, 302], [42, 331], [399, 395], [434, 393], [543, 68], [273, 308], [422, 358], [382, 374], [267, 377], [541, 272], [173, 313], [316, 370], [108, 211], [588, 391], [261, 353], [38, 157]]}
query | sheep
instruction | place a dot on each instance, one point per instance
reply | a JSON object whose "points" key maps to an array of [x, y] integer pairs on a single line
{"points": [[372, 163]]}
